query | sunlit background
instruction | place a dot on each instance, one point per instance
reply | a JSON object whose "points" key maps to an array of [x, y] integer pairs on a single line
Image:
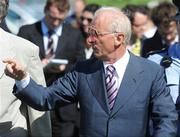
{"points": [[23, 12]]}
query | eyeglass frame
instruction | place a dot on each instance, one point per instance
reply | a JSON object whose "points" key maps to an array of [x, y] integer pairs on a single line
{"points": [[62, 13], [97, 34]]}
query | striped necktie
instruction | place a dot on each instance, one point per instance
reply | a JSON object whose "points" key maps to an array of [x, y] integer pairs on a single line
{"points": [[111, 85], [50, 46]]}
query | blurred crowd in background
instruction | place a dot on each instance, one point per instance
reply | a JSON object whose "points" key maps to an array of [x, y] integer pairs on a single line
{"points": [[153, 31], [23, 12]]}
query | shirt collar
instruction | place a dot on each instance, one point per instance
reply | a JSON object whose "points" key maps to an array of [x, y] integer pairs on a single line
{"points": [[58, 30], [150, 33], [120, 64]]}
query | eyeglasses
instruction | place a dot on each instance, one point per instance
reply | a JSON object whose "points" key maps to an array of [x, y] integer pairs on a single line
{"points": [[60, 17], [92, 32], [85, 18]]}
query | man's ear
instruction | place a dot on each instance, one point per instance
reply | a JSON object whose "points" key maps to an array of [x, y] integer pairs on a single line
{"points": [[119, 39]]}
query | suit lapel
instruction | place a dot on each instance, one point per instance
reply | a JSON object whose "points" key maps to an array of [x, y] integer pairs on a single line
{"points": [[132, 78], [96, 82], [62, 40], [41, 46], [61, 44], [39, 39]]}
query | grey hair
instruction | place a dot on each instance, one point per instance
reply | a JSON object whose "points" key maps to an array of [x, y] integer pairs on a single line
{"points": [[4, 4], [119, 22]]}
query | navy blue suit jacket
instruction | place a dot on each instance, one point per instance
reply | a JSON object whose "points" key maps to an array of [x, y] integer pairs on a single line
{"points": [[142, 93]]}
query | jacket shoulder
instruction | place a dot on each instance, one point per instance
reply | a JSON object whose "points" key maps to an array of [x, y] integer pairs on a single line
{"points": [[19, 42], [30, 27]]}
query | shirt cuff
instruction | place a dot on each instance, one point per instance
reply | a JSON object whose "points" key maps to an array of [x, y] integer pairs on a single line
{"points": [[21, 84]]}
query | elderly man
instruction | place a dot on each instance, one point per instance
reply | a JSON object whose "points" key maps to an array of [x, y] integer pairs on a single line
{"points": [[117, 91], [16, 118]]}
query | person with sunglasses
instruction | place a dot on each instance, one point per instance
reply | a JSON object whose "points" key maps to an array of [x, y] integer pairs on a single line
{"points": [[118, 92], [85, 20]]}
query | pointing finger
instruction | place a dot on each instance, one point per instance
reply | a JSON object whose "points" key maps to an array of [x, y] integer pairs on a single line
{"points": [[9, 61]]}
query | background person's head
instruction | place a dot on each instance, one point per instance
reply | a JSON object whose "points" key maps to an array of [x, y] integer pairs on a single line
{"points": [[79, 6], [139, 16], [162, 16], [87, 16], [55, 12], [3, 8], [109, 33]]}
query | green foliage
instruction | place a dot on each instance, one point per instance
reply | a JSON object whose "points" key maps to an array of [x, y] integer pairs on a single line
{"points": [[117, 3], [120, 3]]}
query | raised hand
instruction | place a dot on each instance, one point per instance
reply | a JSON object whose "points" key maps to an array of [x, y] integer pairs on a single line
{"points": [[14, 69]]}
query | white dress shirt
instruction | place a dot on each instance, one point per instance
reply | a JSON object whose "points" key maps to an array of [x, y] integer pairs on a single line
{"points": [[120, 67], [88, 52]]}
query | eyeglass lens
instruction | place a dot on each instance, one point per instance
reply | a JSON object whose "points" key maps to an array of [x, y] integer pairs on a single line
{"points": [[92, 32]]}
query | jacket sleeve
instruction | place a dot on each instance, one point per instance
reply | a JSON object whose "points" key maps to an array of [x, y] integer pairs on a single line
{"points": [[164, 115]]}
